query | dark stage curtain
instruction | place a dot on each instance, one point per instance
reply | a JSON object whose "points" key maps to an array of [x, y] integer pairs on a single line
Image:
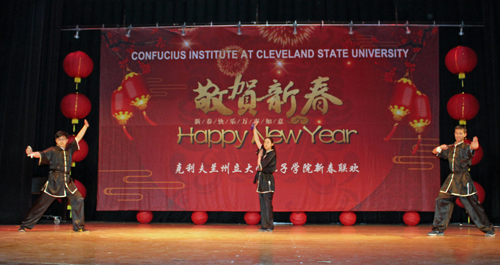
{"points": [[30, 44], [33, 81]]}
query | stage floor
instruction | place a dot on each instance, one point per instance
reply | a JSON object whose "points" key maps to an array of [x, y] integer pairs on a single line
{"points": [[130, 243]]}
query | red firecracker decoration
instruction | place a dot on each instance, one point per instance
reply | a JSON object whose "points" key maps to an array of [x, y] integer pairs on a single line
{"points": [[144, 217], [75, 106], [461, 60], [463, 107], [136, 88], [348, 218], [299, 218], [478, 154], [411, 218], [78, 65], [199, 218], [121, 108], [80, 154], [252, 218], [480, 194], [401, 101], [420, 116]]}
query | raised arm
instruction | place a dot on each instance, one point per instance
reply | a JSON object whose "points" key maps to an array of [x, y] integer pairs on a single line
{"points": [[82, 132], [256, 135]]}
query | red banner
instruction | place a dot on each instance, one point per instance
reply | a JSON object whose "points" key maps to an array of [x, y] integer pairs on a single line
{"points": [[354, 118]]}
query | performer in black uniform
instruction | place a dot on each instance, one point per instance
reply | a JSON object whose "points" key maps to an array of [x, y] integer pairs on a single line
{"points": [[459, 184], [59, 184], [265, 179]]}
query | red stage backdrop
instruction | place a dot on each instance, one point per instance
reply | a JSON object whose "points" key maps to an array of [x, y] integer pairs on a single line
{"points": [[322, 94]]}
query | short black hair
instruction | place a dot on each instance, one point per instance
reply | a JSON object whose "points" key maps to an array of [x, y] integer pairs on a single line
{"points": [[61, 133], [461, 127]]}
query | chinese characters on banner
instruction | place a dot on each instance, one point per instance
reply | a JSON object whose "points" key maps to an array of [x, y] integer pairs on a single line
{"points": [[295, 168], [322, 95]]}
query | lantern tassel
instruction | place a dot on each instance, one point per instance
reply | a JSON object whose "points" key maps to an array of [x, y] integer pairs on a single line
{"points": [[147, 119], [462, 83], [127, 134], [76, 87], [391, 133], [416, 146]]}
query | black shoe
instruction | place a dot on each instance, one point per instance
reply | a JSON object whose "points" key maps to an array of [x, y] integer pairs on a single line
{"points": [[82, 230], [490, 233], [435, 233], [23, 229]]}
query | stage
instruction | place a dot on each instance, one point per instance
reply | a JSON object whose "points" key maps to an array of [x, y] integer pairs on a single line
{"points": [[131, 243]]}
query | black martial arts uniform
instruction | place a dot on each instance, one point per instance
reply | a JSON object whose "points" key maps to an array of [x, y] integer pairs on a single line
{"points": [[59, 185], [459, 184], [265, 187]]}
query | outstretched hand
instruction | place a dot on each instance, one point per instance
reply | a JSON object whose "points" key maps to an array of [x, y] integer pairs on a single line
{"points": [[86, 123], [255, 135], [29, 150], [444, 147], [32, 154], [475, 143]]}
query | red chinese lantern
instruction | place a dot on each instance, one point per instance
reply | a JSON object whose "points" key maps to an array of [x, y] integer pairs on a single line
{"points": [[348, 218], [81, 154], [461, 60], [144, 217], [401, 101], [75, 106], [252, 218], [136, 88], [81, 189], [420, 116], [299, 218], [121, 108], [78, 65], [480, 194], [199, 218], [411, 218], [463, 107], [478, 154]]}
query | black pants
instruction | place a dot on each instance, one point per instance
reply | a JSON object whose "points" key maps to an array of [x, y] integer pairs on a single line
{"points": [[266, 210], [444, 208], [44, 201]]}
